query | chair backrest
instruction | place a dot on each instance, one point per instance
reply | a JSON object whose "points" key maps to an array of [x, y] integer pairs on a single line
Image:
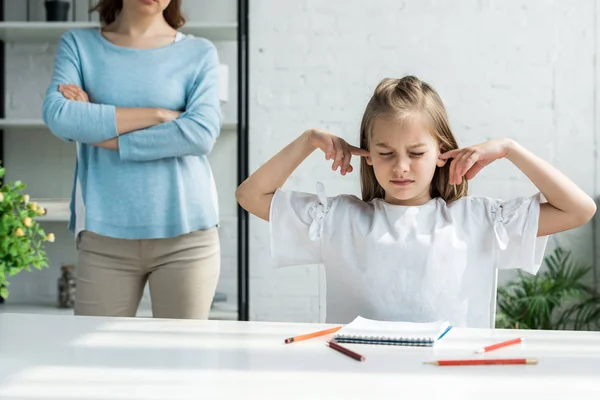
{"points": [[322, 293], [323, 297], [493, 300]]}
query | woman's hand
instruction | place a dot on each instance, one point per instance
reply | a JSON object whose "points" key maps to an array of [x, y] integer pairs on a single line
{"points": [[110, 144], [336, 149], [168, 115], [73, 92], [470, 160]]}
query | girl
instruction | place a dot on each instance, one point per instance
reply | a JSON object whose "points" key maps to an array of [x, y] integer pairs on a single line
{"points": [[416, 247], [141, 101]]}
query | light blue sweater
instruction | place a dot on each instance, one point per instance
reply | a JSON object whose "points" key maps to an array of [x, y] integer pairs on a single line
{"points": [[159, 184]]}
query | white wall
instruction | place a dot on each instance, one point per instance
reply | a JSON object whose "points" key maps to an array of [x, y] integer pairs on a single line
{"points": [[515, 68], [46, 164]]}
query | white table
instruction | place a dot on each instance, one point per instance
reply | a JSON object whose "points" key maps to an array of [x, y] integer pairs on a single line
{"points": [[87, 358]]}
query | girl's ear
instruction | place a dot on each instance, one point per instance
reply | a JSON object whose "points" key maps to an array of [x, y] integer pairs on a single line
{"points": [[369, 161]]}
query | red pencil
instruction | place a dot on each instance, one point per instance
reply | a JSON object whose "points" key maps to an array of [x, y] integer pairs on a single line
{"points": [[345, 351], [499, 345], [505, 361]]}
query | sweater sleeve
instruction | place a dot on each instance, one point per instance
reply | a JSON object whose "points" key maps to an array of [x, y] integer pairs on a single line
{"points": [[75, 120], [196, 129]]}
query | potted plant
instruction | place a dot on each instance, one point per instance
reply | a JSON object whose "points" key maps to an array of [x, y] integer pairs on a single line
{"points": [[57, 10], [22, 239], [554, 299]]}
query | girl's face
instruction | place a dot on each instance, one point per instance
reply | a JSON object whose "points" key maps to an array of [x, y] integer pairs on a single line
{"points": [[146, 7], [404, 156]]}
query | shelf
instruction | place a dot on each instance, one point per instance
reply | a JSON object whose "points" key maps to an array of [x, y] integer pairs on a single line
{"points": [[33, 123], [229, 127], [21, 123], [23, 31], [56, 210], [218, 312]]}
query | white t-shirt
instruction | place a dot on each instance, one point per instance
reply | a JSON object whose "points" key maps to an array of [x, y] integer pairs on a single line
{"points": [[407, 263]]}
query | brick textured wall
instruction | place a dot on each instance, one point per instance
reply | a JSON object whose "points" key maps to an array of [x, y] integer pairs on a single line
{"points": [[521, 69]]}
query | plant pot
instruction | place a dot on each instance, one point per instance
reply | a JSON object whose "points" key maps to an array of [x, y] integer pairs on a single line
{"points": [[57, 10]]}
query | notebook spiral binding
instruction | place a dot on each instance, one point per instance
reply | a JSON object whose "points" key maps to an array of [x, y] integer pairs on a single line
{"points": [[396, 341]]}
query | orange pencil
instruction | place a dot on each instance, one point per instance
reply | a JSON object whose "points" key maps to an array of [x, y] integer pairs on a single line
{"points": [[312, 335], [499, 345], [505, 361]]}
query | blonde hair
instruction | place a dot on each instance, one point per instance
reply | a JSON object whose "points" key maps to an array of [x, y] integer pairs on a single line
{"points": [[402, 98]]}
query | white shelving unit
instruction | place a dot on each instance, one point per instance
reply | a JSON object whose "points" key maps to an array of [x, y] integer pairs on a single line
{"points": [[52, 31], [58, 209]]}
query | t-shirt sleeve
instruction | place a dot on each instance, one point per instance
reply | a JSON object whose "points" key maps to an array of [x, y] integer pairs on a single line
{"points": [[296, 223], [515, 225]]}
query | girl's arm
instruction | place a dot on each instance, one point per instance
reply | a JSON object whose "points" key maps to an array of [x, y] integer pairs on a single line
{"points": [[568, 206], [256, 192]]}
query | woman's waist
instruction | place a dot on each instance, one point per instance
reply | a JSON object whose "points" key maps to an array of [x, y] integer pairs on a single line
{"points": [[150, 207], [112, 173], [149, 187]]}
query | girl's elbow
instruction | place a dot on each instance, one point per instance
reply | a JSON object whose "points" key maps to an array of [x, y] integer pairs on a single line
{"points": [[246, 197], [254, 201], [588, 211], [584, 213], [242, 196]]}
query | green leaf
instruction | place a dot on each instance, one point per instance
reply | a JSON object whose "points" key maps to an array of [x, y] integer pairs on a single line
{"points": [[554, 299], [4, 292]]}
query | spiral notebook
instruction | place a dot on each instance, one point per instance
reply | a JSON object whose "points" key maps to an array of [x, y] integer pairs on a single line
{"points": [[368, 331]]}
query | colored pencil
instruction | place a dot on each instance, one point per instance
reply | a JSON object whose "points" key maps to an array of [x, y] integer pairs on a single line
{"points": [[312, 335], [499, 345], [505, 361], [345, 351]]}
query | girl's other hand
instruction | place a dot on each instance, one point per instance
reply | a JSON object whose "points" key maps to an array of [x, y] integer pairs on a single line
{"points": [[470, 160], [336, 149]]}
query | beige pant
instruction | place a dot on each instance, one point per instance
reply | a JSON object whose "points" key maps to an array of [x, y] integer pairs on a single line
{"points": [[182, 273]]}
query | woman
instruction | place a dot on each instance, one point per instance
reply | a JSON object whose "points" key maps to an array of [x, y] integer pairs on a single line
{"points": [[141, 101]]}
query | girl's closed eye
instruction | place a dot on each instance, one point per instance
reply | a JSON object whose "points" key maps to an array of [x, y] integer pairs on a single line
{"points": [[386, 154], [417, 154]]}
